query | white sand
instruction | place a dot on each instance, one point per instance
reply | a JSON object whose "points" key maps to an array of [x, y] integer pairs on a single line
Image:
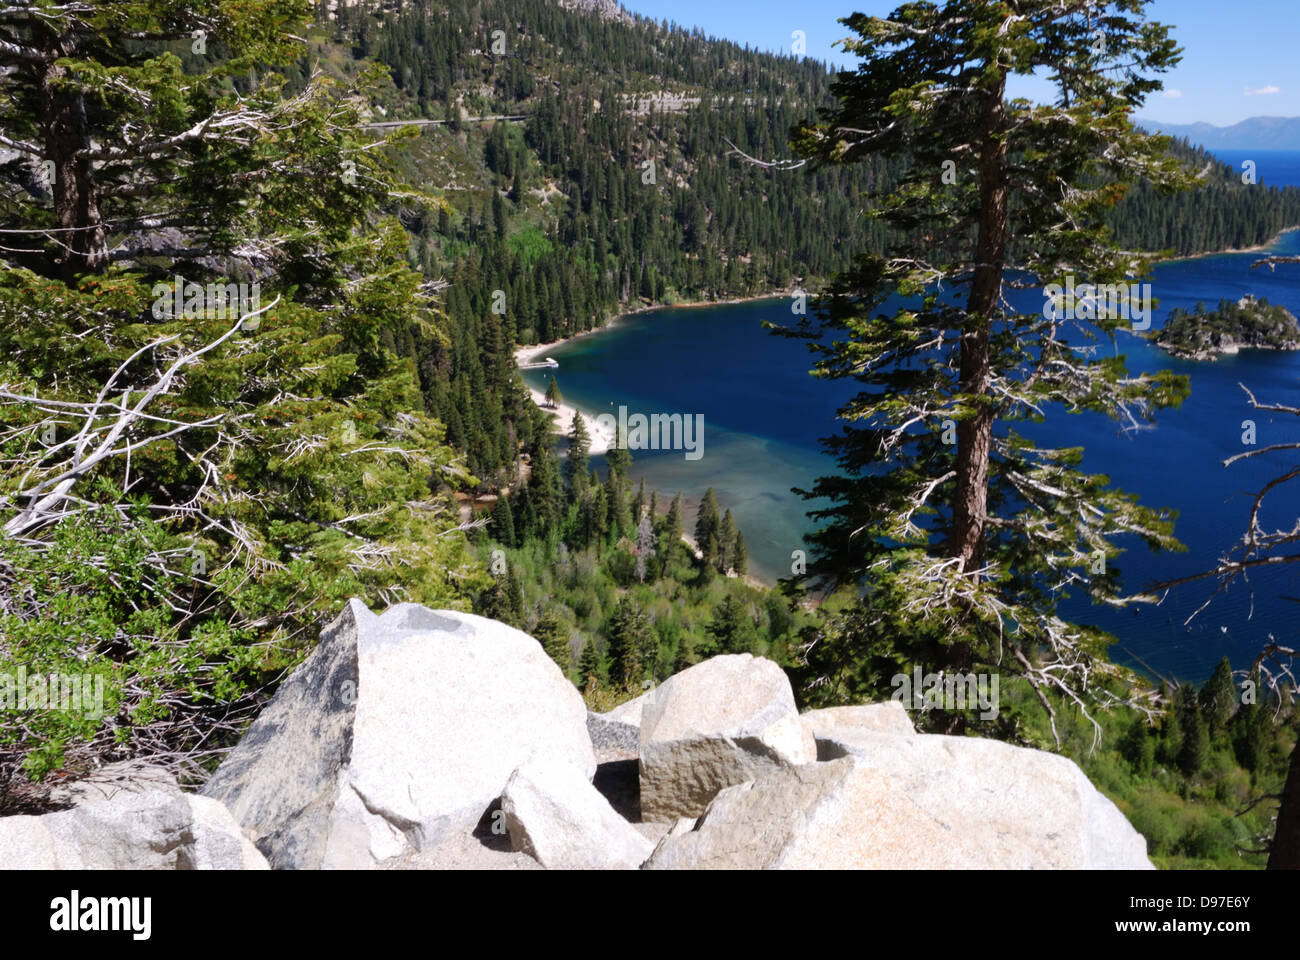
{"points": [[602, 437]]}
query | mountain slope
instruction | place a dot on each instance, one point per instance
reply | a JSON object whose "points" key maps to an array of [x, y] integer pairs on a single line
{"points": [[1256, 133]]}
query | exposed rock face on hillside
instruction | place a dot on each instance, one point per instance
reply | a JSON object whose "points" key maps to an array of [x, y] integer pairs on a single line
{"points": [[607, 9], [434, 739]]}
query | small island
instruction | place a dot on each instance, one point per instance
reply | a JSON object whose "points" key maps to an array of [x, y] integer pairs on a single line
{"points": [[1248, 323]]}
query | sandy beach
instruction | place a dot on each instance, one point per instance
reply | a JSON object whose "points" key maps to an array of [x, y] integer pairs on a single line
{"points": [[602, 437]]}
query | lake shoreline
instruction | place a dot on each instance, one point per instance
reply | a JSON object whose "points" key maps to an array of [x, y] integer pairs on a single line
{"points": [[530, 353], [600, 434], [1259, 248]]}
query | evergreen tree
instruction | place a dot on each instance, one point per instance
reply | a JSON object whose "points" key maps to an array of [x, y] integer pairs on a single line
{"points": [[552, 633], [618, 458], [1249, 729], [620, 515], [638, 505], [625, 633], [1219, 697], [1137, 746], [732, 629], [726, 542], [1195, 748], [1171, 731], [591, 665], [514, 598], [673, 524], [990, 529], [576, 466], [503, 522], [740, 559], [545, 492], [553, 396], [712, 553], [706, 520]]}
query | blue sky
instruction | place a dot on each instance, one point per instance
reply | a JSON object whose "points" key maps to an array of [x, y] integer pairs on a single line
{"points": [[1241, 58]]}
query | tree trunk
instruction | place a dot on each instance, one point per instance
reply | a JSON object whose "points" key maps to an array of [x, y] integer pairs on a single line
{"points": [[1285, 854], [76, 195], [975, 435]]}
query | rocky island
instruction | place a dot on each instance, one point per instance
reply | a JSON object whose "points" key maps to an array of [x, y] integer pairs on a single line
{"points": [[1248, 323]]}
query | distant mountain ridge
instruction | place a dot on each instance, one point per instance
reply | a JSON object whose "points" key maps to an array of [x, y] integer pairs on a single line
{"points": [[1256, 133]]}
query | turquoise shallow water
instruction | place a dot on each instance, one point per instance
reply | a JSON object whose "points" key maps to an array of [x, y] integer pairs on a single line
{"points": [[764, 414]]}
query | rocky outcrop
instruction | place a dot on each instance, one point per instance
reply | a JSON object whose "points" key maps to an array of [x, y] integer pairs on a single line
{"points": [[1028, 808], [616, 734], [836, 729], [136, 829], [913, 802], [396, 731], [836, 815], [557, 817], [718, 723], [426, 739]]}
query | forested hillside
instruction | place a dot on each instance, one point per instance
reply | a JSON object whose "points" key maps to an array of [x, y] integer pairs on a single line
{"points": [[620, 186], [188, 494]]}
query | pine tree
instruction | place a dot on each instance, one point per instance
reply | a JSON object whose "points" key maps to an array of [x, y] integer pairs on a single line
{"points": [[712, 552], [575, 467], [553, 396], [591, 665], [673, 525], [545, 491], [732, 628], [1219, 697], [1138, 747], [726, 542], [990, 529], [552, 633], [1171, 731], [706, 520], [618, 458], [1195, 749], [625, 633], [620, 515], [503, 523], [638, 505], [740, 559], [514, 599]]}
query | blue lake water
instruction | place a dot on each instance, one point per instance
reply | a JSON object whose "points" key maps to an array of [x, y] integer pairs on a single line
{"points": [[764, 414], [1273, 168]]}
